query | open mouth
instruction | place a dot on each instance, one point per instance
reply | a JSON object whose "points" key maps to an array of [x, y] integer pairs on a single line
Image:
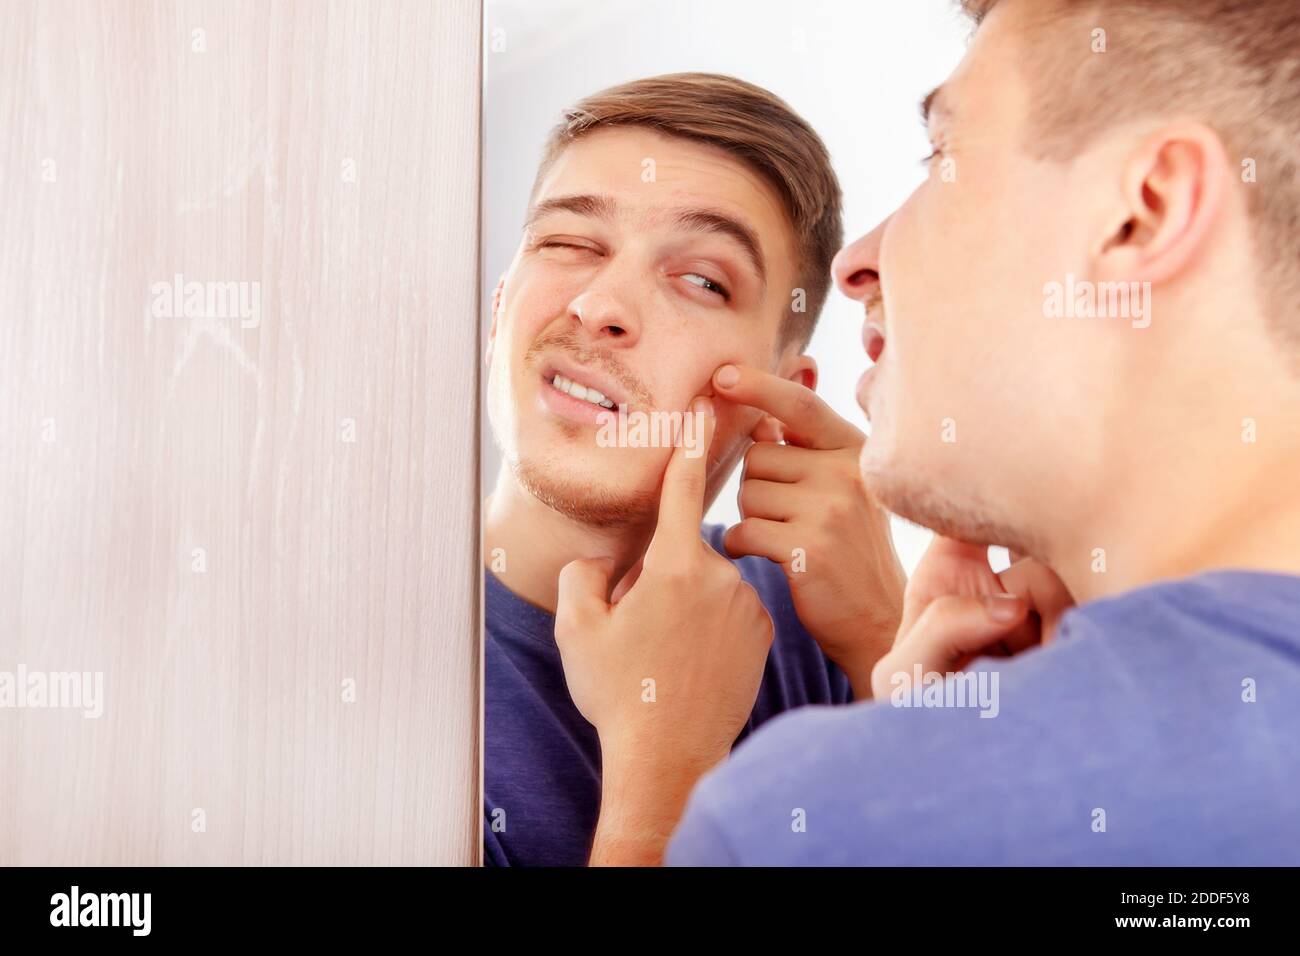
{"points": [[580, 385], [873, 340], [582, 392]]}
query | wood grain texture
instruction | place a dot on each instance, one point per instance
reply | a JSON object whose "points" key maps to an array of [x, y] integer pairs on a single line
{"points": [[181, 507]]}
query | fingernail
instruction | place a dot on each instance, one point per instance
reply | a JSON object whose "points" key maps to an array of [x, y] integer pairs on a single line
{"points": [[702, 406], [1002, 607], [727, 376]]}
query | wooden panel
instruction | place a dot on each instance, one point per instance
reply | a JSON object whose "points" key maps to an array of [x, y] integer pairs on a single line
{"points": [[232, 515]]}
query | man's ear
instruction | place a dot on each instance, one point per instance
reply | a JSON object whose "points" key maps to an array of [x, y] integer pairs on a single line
{"points": [[797, 368], [1173, 189], [801, 368], [497, 295]]}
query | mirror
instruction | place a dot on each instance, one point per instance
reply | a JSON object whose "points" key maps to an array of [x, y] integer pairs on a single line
{"points": [[622, 275]]}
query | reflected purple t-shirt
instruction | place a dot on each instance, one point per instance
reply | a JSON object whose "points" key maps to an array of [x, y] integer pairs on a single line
{"points": [[541, 770]]}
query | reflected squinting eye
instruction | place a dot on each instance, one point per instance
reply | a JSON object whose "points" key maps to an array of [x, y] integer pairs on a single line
{"points": [[558, 244], [704, 282]]}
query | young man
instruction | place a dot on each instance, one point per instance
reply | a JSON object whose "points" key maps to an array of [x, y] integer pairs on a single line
{"points": [[1087, 348], [677, 223]]}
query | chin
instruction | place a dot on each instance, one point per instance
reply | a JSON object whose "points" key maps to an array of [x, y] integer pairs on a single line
{"points": [[590, 496], [937, 498]]}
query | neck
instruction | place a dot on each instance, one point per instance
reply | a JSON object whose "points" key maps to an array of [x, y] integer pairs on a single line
{"points": [[1256, 530], [1209, 483], [526, 543]]}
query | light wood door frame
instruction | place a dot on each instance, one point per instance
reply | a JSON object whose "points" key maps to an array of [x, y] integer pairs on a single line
{"points": [[259, 526]]}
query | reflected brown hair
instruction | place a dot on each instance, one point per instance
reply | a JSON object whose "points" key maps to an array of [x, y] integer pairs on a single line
{"points": [[762, 132]]}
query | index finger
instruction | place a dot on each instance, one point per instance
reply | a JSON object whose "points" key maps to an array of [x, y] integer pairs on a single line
{"points": [[814, 424], [681, 500], [948, 567]]}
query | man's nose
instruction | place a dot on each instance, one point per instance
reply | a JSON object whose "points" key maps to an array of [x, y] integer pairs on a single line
{"points": [[604, 317], [857, 266]]}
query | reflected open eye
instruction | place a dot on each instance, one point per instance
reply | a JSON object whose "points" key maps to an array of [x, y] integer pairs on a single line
{"points": [[704, 282]]}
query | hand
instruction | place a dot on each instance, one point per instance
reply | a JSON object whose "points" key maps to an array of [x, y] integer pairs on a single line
{"points": [[668, 675], [956, 609], [805, 506]]}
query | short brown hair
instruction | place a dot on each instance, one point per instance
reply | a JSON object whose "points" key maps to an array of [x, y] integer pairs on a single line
{"points": [[760, 130], [1233, 65]]}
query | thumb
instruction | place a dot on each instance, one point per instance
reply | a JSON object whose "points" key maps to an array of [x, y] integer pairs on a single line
{"points": [[951, 631], [582, 588]]}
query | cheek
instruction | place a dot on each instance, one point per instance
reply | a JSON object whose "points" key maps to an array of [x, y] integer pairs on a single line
{"points": [[531, 301], [676, 376], [937, 294]]}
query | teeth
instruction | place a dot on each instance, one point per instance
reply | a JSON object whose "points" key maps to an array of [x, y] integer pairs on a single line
{"points": [[570, 387]]}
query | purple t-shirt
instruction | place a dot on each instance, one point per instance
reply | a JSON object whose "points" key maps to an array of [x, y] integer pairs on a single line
{"points": [[1161, 727], [541, 774]]}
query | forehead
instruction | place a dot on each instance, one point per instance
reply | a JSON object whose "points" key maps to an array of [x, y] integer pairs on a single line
{"points": [[988, 92], [649, 174]]}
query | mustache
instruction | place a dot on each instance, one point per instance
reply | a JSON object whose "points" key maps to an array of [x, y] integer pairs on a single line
{"points": [[602, 359]]}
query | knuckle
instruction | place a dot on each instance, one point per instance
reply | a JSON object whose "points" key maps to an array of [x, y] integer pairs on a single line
{"points": [[881, 668], [737, 538], [721, 571], [883, 674], [748, 499], [747, 595], [722, 577], [846, 468], [831, 516], [945, 611], [676, 575], [564, 628], [806, 402], [683, 571]]}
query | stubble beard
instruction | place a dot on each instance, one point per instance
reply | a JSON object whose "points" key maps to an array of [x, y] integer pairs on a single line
{"points": [[904, 493], [580, 501]]}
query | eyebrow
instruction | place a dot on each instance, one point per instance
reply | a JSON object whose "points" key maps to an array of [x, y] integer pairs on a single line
{"points": [[707, 220], [597, 207], [933, 102], [696, 220]]}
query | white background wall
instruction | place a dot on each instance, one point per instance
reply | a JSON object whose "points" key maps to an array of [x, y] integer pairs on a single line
{"points": [[856, 70]]}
